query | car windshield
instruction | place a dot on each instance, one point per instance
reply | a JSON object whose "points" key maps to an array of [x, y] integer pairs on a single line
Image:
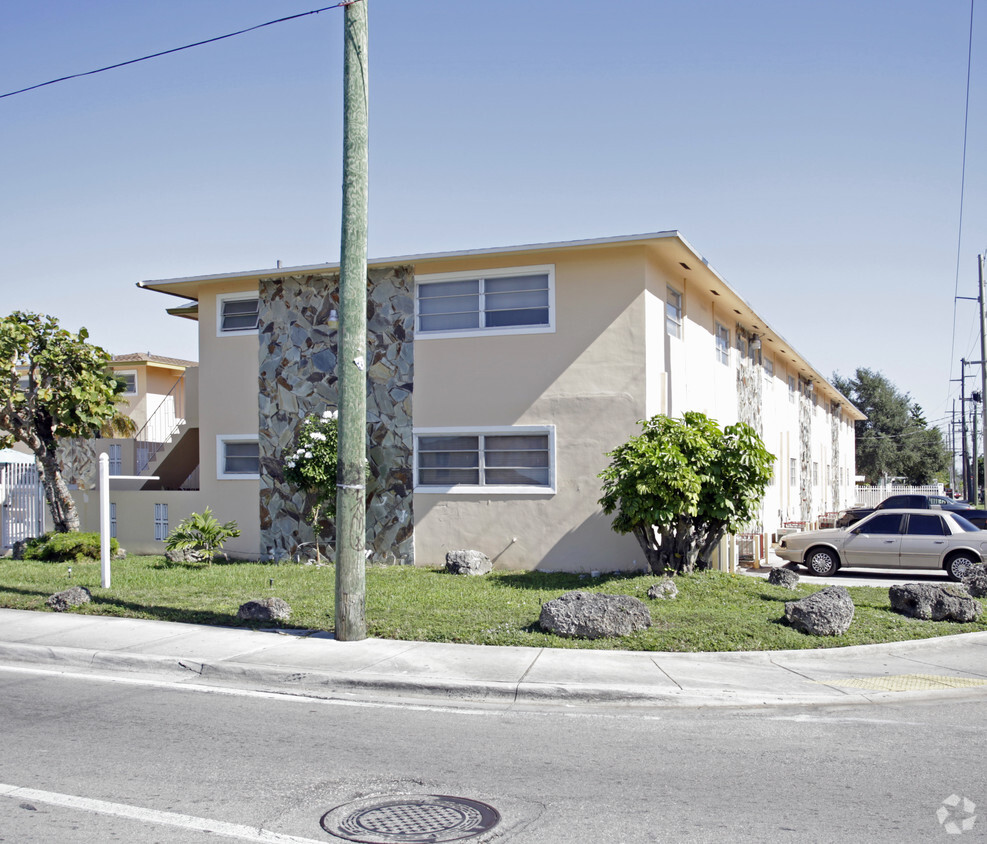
{"points": [[966, 524]]}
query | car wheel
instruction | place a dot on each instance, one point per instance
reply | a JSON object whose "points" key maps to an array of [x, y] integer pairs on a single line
{"points": [[821, 562], [960, 564]]}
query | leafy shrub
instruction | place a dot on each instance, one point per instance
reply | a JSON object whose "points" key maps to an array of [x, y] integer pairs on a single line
{"points": [[202, 534], [66, 547]]}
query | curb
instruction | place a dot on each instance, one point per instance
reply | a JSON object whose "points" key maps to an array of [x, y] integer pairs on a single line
{"points": [[330, 685]]}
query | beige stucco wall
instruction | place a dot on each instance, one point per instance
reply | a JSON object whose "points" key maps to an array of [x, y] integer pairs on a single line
{"points": [[135, 516], [587, 379], [227, 405]]}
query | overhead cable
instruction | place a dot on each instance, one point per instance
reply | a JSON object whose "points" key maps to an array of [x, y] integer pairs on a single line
{"points": [[177, 49]]}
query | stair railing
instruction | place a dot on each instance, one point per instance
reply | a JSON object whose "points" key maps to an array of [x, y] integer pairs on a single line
{"points": [[160, 427]]}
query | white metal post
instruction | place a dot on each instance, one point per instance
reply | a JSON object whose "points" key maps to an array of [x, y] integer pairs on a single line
{"points": [[104, 520]]}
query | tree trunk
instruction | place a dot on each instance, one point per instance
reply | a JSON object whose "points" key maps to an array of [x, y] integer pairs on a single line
{"points": [[652, 551], [64, 515], [713, 535]]}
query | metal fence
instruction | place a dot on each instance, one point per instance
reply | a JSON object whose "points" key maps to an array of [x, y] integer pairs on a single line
{"points": [[22, 503]]}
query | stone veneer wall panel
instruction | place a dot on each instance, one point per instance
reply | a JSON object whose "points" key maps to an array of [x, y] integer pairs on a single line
{"points": [[806, 406], [297, 378]]}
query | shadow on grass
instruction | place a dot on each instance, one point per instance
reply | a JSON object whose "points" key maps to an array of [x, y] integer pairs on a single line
{"points": [[102, 605], [17, 591], [554, 581]]}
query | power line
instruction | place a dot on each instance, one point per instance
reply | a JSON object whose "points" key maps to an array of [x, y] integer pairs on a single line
{"points": [[178, 49]]}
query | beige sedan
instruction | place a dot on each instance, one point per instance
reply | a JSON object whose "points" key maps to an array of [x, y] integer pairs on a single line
{"points": [[891, 539]]}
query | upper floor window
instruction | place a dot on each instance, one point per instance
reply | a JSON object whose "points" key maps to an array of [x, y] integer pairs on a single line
{"points": [[237, 457], [515, 300], [129, 378], [237, 313], [116, 459], [792, 389], [673, 312], [769, 371], [722, 343]]}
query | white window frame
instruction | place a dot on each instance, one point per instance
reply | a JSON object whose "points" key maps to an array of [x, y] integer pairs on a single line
{"points": [[792, 472], [792, 389], [769, 371], [160, 522], [221, 473], [499, 272], [673, 324], [119, 373], [242, 296], [493, 489], [722, 343]]}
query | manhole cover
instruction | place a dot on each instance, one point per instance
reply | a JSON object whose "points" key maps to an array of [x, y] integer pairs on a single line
{"points": [[410, 819]]}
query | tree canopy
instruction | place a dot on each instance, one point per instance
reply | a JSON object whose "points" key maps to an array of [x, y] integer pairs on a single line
{"points": [[53, 385], [894, 441], [682, 484]]}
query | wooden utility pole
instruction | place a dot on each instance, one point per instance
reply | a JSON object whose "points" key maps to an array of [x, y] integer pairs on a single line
{"points": [[983, 373], [351, 507]]}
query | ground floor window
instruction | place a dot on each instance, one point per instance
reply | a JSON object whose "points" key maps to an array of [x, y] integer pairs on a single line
{"points": [[113, 519], [237, 457], [161, 522], [492, 460]]}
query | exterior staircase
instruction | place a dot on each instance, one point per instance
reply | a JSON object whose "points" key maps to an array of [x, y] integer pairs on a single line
{"points": [[168, 444]]}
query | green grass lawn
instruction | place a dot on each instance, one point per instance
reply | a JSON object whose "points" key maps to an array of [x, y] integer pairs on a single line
{"points": [[713, 612]]}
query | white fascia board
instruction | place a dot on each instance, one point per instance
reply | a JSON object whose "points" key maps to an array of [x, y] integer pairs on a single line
{"points": [[412, 258]]}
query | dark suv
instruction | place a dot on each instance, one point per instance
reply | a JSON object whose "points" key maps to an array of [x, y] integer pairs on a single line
{"points": [[924, 502]]}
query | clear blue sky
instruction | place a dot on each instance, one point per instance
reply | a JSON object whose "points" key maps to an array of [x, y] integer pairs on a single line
{"points": [[811, 150]]}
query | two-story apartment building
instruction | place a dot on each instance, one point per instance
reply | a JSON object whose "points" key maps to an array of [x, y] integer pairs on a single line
{"points": [[497, 381]]}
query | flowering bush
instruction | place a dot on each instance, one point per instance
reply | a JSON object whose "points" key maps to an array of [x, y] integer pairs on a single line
{"points": [[312, 465]]}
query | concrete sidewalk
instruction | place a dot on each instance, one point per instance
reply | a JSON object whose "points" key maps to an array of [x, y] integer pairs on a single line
{"points": [[299, 663]]}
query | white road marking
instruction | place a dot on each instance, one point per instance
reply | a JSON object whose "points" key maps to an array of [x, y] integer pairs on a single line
{"points": [[121, 810], [291, 697]]}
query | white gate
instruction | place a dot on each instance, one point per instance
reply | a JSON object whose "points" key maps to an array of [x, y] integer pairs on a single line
{"points": [[21, 503]]}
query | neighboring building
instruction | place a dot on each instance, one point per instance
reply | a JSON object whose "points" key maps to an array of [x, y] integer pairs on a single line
{"points": [[160, 399], [497, 381]]}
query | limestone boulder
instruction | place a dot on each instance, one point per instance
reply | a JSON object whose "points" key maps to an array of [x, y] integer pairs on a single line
{"points": [[663, 589], [68, 598], [935, 602], [468, 562], [827, 612], [975, 581], [783, 577], [186, 555], [589, 615], [265, 609]]}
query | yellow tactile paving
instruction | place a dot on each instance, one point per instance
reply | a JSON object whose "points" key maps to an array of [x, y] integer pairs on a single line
{"points": [[905, 682]]}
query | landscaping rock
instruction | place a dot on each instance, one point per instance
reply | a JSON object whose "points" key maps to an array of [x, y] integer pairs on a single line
{"points": [[664, 588], [976, 581], [589, 615], [827, 612], [468, 562], [265, 609], [783, 577], [935, 602], [17, 550], [69, 598], [186, 555]]}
